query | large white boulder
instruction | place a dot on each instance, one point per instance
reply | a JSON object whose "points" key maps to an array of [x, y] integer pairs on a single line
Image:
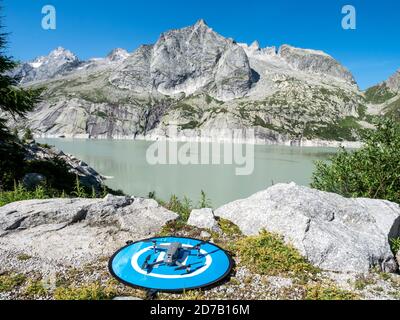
{"points": [[73, 232], [332, 232]]}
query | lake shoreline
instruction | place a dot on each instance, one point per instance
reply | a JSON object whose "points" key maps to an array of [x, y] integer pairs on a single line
{"points": [[257, 141]]}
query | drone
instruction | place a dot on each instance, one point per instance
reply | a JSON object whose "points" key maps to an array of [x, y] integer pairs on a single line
{"points": [[174, 251]]}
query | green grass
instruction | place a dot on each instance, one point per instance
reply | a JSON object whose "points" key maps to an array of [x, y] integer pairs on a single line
{"points": [[20, 193], [43, 192], [327, 292], [379, 94], [101, 114], [267, 254], [35, 289], [229, 228], [393, 110], [23, 257], [395, 245], [9, 282], [193, 124], [362, 281], [342, 129], [181, 207], [91, 291]]}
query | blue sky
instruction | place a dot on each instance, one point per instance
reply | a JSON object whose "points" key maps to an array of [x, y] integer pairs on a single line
{"points": [[92, 28]]}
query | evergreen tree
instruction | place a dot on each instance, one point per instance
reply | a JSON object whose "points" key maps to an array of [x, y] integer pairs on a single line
{"points": [[14, 101]]}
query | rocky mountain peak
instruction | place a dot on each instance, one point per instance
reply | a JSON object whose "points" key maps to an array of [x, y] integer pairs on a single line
{"points": [[58, 62], [118, 54], [201, 23], [196, 57], [394, 81], [62, 52], [255, 45]]}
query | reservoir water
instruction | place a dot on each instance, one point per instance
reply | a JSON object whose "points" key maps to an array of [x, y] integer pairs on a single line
{"points": [[125, 161]]}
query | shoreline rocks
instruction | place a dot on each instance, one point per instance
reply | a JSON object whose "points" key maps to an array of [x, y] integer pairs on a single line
{"points": [[192, 136], [86, 174]]}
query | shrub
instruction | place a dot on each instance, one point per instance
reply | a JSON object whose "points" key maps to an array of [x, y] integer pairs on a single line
{"points": [[35, 288], [11, 163], [20, 193], [372, 171], [181, 207], [204, 201], [268, 254], [10, 281], [56, 172], [27, 135], [395, 245]]}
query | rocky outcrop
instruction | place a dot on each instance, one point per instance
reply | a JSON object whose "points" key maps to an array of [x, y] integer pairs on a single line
{"points": [[314, 61], [73, 232], [204, 219], [333, 232], [32, 180], [86, 174]]}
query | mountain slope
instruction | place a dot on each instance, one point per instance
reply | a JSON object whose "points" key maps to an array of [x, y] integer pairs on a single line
{"points": [[384, 98], [194, 80]]}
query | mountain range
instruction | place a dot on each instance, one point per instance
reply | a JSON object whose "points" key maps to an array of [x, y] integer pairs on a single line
{"points": [[196, 81]]}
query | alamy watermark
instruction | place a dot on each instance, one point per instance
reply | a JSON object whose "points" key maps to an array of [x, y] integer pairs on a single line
{"points": [[349, 21], [49, 20], [236, 148]]}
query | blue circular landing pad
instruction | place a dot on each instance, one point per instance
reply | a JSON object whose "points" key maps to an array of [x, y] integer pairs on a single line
{"points": [[170, 264]]}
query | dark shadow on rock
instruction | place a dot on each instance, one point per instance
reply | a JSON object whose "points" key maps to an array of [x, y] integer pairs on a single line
{"points": [[255, 76]]}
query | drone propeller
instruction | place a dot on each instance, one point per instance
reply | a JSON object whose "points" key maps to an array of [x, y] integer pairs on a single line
{"points": [[185, 266], [197, 246], [200, 244], [146, 262]]}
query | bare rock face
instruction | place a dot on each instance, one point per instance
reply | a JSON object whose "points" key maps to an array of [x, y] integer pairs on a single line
{"points": [[332, 232], [134, 73], [73, 232], [192, 58], [314, 61], [185, 61]]}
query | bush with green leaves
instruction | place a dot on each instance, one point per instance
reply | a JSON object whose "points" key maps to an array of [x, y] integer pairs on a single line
{"points": [[268, 254], [395, 245], [373, 171]]}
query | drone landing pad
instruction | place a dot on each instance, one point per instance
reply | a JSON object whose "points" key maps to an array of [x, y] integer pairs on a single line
{"points": [[207, 266]]}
